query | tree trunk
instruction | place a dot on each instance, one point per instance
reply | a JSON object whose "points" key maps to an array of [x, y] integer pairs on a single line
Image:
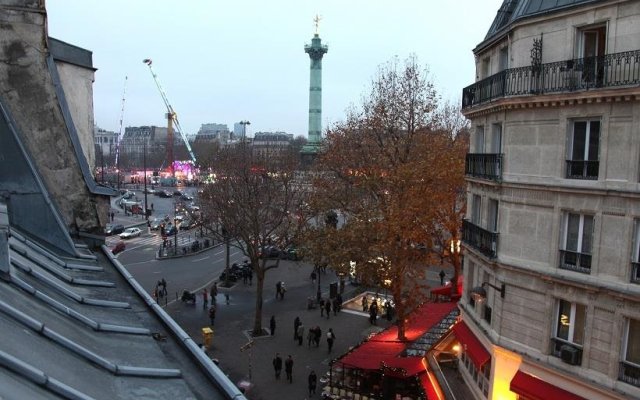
{"points": [[257, 322]]}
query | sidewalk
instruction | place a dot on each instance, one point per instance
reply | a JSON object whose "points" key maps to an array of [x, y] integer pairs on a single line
{"points": [[231, 323]]}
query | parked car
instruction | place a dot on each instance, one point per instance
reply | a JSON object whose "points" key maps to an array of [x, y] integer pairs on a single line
{"points": [[186, 197], [291, 253], [269, 252], [155, 224], [130, 232], [187, 224], [177, 193], [163, 193], [128, 195], [113, 229], [118, 248], [170, 230]]}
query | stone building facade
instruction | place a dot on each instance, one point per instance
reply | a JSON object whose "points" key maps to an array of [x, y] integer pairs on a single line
{"points": [[552, 233]]}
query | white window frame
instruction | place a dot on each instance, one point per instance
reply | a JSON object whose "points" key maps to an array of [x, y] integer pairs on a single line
{"points": [[587, 139], [476, 209], [565, 236], [492, 216], [572, 323], [496, 138], [481, 140]]}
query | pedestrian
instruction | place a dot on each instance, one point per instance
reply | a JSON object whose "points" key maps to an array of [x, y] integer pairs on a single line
{"points": [[365, 303], [317, 334], [442, 275], [313, 277], [322, 307], [205, 299], [300, 334], [335, 306], [296, 324], [313, 381], [277, 365], [214, 292], [278, 288], [311, 334], [330, 338], [212, 313], [373, 313], [327, 308], [283, 290], [227, 298], [288, 368], [272, 325], [151, 206], [164, 286]]}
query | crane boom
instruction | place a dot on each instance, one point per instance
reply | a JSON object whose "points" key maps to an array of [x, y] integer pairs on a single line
{"points": [[120, 133], [170, 113]]}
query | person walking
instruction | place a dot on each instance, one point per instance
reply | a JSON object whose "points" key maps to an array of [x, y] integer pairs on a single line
{"points": [[214, 292], [311, 334], [330, 338], [442, 275], [277, 365], [327, 307], [164, 286], [296, 324], [318, 335], [365, 303], [278, 289], [336, 306], [212, 313], [272, 325], [313, 382], [322, 307], [288, 368], [205, 299], [300, 334]]}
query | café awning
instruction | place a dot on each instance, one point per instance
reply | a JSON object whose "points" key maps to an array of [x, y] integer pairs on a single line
{"points": [[474, 349], [536, 389]]}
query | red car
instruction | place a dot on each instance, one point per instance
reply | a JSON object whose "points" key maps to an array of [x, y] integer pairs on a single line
{"points": [[119, 247]]}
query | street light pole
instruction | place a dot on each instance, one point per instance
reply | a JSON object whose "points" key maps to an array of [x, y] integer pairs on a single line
{"points": [[244, 129], [144, 165]]}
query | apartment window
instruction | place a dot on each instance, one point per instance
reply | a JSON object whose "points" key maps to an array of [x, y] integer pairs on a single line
{"points": [[476, 207], [577, 239], [630, 364], [492, 218], [635, 256], [592, 47], [481, 377], [569, 331], [583, 149], [504, 58], [486, 68], [496, 138], [479, 145]]}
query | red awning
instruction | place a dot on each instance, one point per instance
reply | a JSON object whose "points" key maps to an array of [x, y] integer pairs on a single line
{"points": [[536, 389], [429, 385], [442, 290], [474, 349]]}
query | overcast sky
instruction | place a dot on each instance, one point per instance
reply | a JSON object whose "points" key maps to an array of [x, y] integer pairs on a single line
{"points": [[226, 61]]}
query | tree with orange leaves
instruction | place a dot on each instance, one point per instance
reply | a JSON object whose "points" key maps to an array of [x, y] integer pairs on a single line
{"points": [[395, 171]]}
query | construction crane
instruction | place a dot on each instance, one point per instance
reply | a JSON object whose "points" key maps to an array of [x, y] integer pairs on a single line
{"points": [[120, 134], [172, 120]]}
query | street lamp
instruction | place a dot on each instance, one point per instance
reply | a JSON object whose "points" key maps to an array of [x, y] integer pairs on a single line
{"points": [[479, 294], [144, 165], [244, 128]]}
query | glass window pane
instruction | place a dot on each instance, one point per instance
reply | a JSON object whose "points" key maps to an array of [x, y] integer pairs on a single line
{"points": [[633, 342], [578, 329], [573, 224], [579, 139], [587, 233], [594, 140], [564, 320]]}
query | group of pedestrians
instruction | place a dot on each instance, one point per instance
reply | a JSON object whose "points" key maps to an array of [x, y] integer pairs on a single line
{"points": [[277, 362], [327, 305]]}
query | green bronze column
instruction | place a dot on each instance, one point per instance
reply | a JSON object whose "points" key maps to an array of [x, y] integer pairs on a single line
{"points": [[316, 50]]}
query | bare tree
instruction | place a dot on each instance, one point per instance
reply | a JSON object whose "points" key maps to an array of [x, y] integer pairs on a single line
{"points": [[253, 203]]}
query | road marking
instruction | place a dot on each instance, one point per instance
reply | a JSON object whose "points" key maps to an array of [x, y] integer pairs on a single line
{"points": [[141, 262], [200, 259]]}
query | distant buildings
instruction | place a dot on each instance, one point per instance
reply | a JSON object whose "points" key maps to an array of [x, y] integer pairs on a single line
{"points": [[552, 234], [213, 133], [105, 141], [265, 143]]}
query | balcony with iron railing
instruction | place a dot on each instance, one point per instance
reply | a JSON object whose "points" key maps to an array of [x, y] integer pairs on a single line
{"points": [[582, 169], [629, 373], [635, 272], [575, 261], [484, 165], [479, 238], [608, 71]]}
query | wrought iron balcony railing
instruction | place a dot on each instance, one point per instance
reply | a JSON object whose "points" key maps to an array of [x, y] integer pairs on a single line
{"points": [[484, 165], [629, 373], [635, 272], [611, 70], [574, 261], [479, 238], [582, 169]]}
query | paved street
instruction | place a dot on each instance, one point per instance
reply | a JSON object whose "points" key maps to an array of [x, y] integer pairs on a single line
{"points": [[233, 321]]}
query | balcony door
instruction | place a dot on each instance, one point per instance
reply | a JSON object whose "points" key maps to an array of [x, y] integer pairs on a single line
{"points": [[592, 50]]}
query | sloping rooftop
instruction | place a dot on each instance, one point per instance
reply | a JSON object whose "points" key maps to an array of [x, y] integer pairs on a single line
{"points": [[75, 328], [513, 10]]}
